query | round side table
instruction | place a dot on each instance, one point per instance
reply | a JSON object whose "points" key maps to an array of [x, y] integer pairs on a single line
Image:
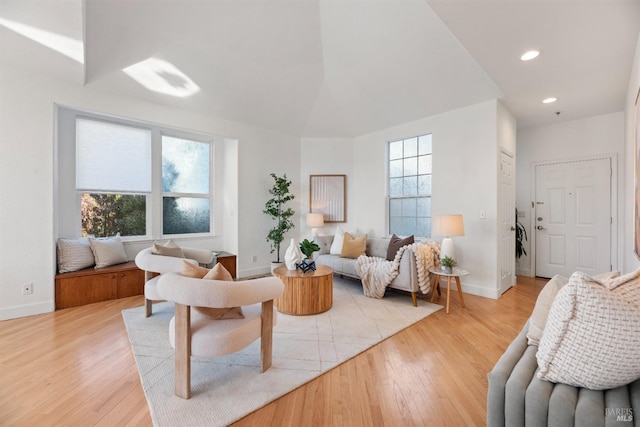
{"points": [[305, 293], [456, 273]]}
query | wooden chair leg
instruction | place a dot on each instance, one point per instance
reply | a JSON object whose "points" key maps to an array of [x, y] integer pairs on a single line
{"points": [[414, 299], [148, 307], [266, 335], [183, 351]]}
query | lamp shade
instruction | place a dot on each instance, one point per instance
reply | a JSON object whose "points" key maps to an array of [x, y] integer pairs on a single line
{"points": [[448, 225], [315, 220]]}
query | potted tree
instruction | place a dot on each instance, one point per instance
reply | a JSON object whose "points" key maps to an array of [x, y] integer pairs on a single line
{"points": [[275, 208], [521, 237]]}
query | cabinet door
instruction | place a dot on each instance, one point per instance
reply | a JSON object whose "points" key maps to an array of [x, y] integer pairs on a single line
{"points": [[130, 283], [74, 291]]}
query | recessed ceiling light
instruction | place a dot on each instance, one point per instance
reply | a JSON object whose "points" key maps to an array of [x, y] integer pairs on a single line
{"points": [[549, 100], [161, 76], [527, 56]]}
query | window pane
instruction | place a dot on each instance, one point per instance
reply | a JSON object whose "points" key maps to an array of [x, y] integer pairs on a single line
{"points": [[424, 185], [409, 207], [182, 215], [411, 166], [411, 147], [424, 164], [394, 225], [424, 144], [395, 187], [112, 158], [395, 168], [423, 207], [185, 166], [108, 214], [395, 206], [423, 227], [410, 186], [408, 226], [395, 150]]}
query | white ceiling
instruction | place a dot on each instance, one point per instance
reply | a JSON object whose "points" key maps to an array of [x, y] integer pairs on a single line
{"points": [[338, 68]]}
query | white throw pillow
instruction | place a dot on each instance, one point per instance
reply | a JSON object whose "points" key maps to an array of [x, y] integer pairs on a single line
{"points": [[74, 254], [108, 251], [592, 335], [338, 241]]}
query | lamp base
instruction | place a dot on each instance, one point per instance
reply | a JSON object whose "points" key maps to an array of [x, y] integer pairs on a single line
{"points": [[446, 248]]}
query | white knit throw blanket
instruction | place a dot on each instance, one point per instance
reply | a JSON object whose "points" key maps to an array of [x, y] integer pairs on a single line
{"points": [[376, 273]]}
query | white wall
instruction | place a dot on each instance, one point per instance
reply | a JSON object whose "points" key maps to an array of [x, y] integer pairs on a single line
{"points": [[464, 181], [325, 156], [631, 126], [27, 128], [584, 138]]}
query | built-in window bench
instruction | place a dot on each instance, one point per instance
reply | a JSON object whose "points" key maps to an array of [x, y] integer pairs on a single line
{"points": [[94, 285]]}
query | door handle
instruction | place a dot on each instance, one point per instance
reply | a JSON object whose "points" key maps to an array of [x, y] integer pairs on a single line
{"points": [[540, 227], [513, 228]]}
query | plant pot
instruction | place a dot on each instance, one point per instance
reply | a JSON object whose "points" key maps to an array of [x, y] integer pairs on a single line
{"points": [[307, 264], [447, 270], [275, 265]]}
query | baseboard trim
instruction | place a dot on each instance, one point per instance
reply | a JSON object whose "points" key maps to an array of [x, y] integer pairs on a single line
{"points": [[27, 310], [253, 272]]}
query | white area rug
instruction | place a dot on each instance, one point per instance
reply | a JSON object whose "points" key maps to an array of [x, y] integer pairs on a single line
{"points": [[225, 389]]}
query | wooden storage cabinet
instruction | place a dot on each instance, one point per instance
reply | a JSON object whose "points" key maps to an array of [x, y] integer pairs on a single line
{"points": [[90, 285], [228, 261]]}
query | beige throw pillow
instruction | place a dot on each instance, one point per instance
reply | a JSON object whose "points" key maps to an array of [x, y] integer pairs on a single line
{"points": [[74, 254], [108, 251], [592, 335], [353, 247], [218, 272], [168, 249]]}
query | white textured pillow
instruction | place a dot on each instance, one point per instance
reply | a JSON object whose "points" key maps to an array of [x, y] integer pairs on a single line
{"points": [[592, 335], [170, 248], [338, 239], [74, 255], [108, 251]]}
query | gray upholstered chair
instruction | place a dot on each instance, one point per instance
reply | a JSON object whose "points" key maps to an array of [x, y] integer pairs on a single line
{"points": [[192, 333], [156, 265]]}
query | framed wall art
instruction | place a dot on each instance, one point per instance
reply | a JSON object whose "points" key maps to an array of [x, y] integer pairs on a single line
{"points": [[327, 195]]}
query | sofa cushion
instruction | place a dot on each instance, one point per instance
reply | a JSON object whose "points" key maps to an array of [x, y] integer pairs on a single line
{"points": [[592, 335], [74, 254], [324, 242], [108, 251], [395, 243], [353, 247]]}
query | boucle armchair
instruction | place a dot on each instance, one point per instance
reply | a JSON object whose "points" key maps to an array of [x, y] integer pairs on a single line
{"points": [[193, 333], [155, 265]]}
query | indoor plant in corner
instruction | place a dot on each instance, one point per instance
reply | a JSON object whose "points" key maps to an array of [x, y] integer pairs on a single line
{"points": [[275, 208]]}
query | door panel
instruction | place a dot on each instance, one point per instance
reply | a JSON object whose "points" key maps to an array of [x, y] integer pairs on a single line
{"points": [[573, 217], [506, 225]]}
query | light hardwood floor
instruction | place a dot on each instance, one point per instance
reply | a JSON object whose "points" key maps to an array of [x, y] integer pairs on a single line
{"points": [[74, 367]]}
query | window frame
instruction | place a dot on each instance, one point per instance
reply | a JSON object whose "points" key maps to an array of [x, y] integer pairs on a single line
{"points": [[67, 194], [415, 196]]}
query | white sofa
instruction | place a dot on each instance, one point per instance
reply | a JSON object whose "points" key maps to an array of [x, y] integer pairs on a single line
{"points": [[407, 279]]}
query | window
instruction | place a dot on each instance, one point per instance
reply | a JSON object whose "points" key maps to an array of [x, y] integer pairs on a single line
{"points": [[140, 180], [410, 167], [186, 202]]}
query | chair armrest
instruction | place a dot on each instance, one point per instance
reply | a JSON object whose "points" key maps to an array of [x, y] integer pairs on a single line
{"points": [[147, 261], [202, 256], [218, 293]]}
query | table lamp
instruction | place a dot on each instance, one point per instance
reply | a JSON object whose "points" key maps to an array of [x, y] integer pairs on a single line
{"points": [[448, 226], [315, 220]]}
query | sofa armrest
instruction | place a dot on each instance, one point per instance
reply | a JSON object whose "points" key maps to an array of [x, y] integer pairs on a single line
{"points": [[499, 376], [407, 278]]}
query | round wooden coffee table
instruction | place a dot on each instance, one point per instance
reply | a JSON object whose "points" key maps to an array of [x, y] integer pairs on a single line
{"points": [[305, 293]]}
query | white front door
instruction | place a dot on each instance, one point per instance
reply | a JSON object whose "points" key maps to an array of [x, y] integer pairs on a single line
{"points": [[506, 223], [573, 217]]}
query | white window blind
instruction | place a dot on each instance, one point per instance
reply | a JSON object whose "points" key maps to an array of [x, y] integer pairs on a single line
{"points": [[112, 158]]}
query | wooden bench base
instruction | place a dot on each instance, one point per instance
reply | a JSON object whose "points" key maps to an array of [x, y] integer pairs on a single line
{"points": [[94, 285]]}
